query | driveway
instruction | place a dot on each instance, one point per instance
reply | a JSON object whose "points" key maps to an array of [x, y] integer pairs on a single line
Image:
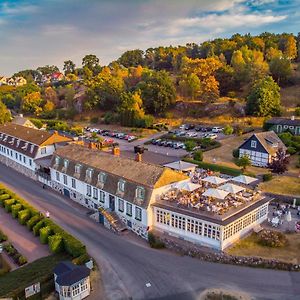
{"points": [[128, 264], [23, 239]]}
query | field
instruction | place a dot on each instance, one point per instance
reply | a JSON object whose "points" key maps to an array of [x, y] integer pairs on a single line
{"points": [[283, 185], [249, 247]]}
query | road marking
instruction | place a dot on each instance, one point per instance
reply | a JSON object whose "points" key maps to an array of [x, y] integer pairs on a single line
{"points": [[148, 284]]}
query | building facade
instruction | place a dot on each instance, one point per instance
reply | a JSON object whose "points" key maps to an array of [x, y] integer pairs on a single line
{"points": [[280, 125]]}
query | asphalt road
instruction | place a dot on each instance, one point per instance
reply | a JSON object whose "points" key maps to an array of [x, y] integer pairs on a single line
{"points": [[127, 263]]}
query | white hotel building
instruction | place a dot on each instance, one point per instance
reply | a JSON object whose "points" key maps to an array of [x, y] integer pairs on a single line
{"points": [[127, 194]]}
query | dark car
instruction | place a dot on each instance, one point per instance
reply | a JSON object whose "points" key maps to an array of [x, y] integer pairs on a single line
{"points": [[139, 149], [162, 143], [189, 126]]}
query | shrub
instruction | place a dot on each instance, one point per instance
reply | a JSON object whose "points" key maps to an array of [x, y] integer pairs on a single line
{"points": [[2, 198], [190, 145], [291, 150], [36, 228], [45, 232], [297, 111], [267, 177], [22, 260], [272, 238], [198, 155], [8, 204], [82, 259], [32, 221], [236, 153], [73, 246], [10, 249], [228, 130], [23, 216], [55, 243], [154, 242], [15, 209], [3, 237]]}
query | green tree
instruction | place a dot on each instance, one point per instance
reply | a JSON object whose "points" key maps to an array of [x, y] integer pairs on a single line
{"points": [[190, 145], [69, 67], [91, 62], [47, 70], [281, 69], [132, 58], [190, 85], [228, 130], [243, 162], [5, 115], [157, 91], [264, 98]]}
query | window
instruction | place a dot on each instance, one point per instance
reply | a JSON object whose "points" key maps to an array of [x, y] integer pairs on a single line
{"points": [[77, 169], [18, 143], [140, 192], [89, 190], [57, 176], [138, 213], [56, 160], [89, 173], [30, 162], [44, 150], [120, 205], [66, 163], [73, 183], [101, 177], [95, 193], [253, 144], [16, 155], [128, 209], [65, 179], [102, 196], [76, 289], [24, 159], [121, 186], [31, 150]]}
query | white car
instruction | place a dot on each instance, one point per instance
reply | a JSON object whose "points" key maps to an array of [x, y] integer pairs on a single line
{"points": [[191, 134], [217, 129], [182, 126], [211, 136]]}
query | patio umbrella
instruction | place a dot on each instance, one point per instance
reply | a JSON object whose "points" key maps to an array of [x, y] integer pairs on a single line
{"points": [[231, 188], [215, 193], [244, 179], [214, 180], [188, 186], [289, 217]]}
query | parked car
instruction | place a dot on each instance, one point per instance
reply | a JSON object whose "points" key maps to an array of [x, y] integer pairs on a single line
{"points": [[211, 136], [189, 126], [192, 134], [182, 126], [139, 149], [217, 129]]}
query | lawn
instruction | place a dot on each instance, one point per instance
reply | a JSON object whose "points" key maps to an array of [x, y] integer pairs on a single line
{"points": [[14, 283], [249, 246], [283, 185]]}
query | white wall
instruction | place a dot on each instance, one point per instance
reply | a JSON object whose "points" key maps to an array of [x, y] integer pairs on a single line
{"points": [[257, 158]]}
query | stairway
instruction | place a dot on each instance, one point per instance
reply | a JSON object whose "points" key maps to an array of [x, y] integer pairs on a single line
{"points": [[113, 219]]}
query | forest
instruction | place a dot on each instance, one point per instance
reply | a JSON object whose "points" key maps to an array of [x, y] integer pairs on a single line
{"points": [[141, 85]]}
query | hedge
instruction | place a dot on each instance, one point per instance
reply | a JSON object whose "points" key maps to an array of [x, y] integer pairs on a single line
{"points": [[8, 204], [215, 167], [24, 215], [55, 243], [37, 227], [15, 209], [45, 232], [82, 259], [32, 221], [3, 197]]}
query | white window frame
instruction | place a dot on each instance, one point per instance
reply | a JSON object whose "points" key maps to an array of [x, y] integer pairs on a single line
{"points": [[73, 183], [121, 205], [138, 213], [57, 176], [121, 185], [128, 209], [253, 144]]}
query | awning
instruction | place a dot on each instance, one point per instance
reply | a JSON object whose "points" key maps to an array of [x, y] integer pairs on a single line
{"points": [[214, 180], [244, 179], [181, 166], [188, 186], [231, 188], [215, 193]]}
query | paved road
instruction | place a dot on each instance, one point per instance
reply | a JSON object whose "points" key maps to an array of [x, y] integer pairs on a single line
{"points": [[127, 264]]}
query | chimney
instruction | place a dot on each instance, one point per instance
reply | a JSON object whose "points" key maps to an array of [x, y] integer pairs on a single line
{"points": [[138, 157], [116, 151], [293, 118]]}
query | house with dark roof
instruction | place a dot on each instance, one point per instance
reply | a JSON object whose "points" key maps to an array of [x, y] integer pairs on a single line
{"points": [[280, 125], [261, 148], [21, 147], [72, 282]]}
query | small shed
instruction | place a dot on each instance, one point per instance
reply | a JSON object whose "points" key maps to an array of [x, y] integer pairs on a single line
{"points": [[72, 282]]}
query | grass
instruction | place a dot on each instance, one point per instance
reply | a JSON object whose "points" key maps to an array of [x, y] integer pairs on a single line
{"points": [[15, 282], [4, 267], [249, 246], [283, 185]]}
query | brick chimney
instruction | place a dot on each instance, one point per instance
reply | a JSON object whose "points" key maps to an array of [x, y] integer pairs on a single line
{"points": [[138, 157], [116, 151]]}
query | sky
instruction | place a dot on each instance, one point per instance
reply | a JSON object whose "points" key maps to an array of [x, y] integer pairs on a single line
{"points": [[35, 33]]}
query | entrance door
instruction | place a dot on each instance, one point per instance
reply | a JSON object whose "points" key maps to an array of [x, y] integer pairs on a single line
{"points": [[67, 193], [101, 219], [112, 202]]}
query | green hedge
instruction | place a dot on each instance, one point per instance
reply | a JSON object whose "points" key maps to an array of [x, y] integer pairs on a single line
{"points": [[37, 227], [24, 215], [2, 198], [216, 168], [32, 221], [55, 243], [45, 232], [82, 259], [8, 204], [15, 209]]}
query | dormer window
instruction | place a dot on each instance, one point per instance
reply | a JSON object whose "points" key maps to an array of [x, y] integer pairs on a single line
{"points": [[89, 173], [66, 163], [31, 148], [57, 159], [18, 143], [12, 141], [121, 186], [140, 193], [101, 177], [5, 138], [25, 146], [253, 144], [77, 169]]}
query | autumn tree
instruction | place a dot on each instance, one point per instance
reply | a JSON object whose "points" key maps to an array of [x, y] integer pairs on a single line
{"points": [[288, 46], [190, 85], [5, 115], [31, 103], [50, 95], [279, 163], [281, 69], [264, 98]]}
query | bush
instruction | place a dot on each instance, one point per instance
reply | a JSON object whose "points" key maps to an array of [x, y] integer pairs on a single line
{"points": [[198, 155], [45, 232], [297, 111], [267, 177], [23, 216], [236, 153], [3, 237], [291, 150], [190, 145], [270, 238], [4, 197], [10, 249], [37, 227], [8, 204], [82, 259], [55, 243], [228, 130], [73, 246], [15, 209], [32, 221], [154, 242], [22, 260]]}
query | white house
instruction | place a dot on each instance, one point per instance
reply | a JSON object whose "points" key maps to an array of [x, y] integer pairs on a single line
{"points": [[21, 147], [261, 148], [72, 282]]}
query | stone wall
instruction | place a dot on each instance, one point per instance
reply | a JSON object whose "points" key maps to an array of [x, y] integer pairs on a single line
{"points": [[136, 226], [19, 168]]}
